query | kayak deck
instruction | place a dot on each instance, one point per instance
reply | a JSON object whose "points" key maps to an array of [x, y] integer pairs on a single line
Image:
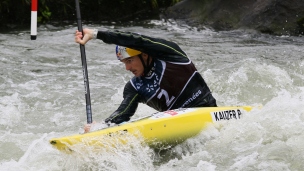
{"points": [[162, 128]]}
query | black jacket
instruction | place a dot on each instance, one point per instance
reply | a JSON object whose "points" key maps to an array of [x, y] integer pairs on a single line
{"points": [[174, 82]]}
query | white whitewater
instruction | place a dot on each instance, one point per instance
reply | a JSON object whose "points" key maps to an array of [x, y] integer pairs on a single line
{"points": [[42, 96]]}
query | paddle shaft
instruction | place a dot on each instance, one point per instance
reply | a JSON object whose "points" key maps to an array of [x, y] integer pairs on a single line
{"points": [[84, 68]]}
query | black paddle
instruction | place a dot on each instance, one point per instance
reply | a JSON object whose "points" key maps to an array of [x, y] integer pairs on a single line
{"points": [[84, 68]]}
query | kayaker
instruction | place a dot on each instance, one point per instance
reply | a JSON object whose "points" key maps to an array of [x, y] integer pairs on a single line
{"points": [[164, 77]]}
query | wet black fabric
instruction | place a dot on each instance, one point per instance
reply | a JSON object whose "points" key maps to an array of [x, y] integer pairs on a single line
{"points": [[174, 82]]}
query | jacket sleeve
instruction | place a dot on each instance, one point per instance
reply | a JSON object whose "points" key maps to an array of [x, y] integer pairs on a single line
{"points": [[127, 107], [156, 47]]}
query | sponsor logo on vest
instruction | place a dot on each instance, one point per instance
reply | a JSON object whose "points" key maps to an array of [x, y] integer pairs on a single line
{"points": [[226, 115], [194, 96]]}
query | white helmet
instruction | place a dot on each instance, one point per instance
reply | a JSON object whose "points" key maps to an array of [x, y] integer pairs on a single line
{"points": [[124, 52]]}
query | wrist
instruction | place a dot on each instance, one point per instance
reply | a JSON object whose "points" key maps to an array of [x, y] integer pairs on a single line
{"points": [[94, 33]]}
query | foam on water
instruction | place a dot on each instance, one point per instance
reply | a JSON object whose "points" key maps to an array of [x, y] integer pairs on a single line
{"points": [[9, 112], [42, 97], [268, 138]]}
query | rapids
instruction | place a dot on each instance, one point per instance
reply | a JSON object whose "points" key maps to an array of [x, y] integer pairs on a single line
{"points": [[42, 96]]}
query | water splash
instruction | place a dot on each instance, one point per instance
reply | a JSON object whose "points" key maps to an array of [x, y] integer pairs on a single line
{"points": [[42, 97]]}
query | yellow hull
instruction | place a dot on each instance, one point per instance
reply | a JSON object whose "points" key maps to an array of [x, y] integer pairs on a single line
{"points": [[162, 128]]}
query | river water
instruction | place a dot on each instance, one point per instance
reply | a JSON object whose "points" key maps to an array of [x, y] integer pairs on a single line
{"points": [[42, 96]]}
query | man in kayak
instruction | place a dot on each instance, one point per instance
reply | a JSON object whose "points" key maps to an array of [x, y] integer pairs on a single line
{"points": [[164, 77]]}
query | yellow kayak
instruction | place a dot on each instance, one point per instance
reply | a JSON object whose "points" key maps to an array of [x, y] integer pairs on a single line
{"points": [[159, 129]]}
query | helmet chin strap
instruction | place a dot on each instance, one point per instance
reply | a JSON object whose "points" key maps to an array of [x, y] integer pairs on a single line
{"points": [[148, 66]]}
